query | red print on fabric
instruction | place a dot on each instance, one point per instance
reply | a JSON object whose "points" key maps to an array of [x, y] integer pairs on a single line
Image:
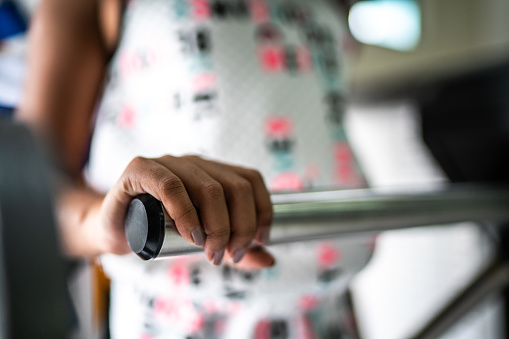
{"points": [[308, 302], [328, 256], [130, 63], [259, 11], [204, 81], [133, 62], [343, 159], [304, 328], [179, 311], [146, 336], [234, 308], [127, 118], [201, 10], [312, 172], [152, 57], [272, 58], [196, 323], [304, 61], [179, 274], [287, 181], [262, 329], [278, 127], [220, 327], [210, 307]]}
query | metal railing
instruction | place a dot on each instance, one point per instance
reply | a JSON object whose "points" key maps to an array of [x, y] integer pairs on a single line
{"points": [[320, 215]]}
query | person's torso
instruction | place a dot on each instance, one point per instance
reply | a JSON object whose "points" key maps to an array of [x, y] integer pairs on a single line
{"points": [[251, 82], [256, 83]]}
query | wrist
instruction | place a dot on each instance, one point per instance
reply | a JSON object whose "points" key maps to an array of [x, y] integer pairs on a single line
{"points": [[79, 222]]}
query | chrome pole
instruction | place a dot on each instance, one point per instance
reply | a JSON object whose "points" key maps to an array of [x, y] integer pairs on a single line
{"points": [[319, 215]]}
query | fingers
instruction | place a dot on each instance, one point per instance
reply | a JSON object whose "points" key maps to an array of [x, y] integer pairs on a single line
{"points": [[217, 206], [249, 204], [263, 204], [239, 196], [154, 177], [207, 194]]}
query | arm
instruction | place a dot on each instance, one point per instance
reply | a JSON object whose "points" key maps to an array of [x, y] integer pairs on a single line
{"points": [[217, 206], [66, 66]]}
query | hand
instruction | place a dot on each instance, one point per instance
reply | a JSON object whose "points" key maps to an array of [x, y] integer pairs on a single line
{"points": [[220, 207]]}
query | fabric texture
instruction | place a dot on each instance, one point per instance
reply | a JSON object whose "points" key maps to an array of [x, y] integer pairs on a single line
{"points": [[259, 83]]}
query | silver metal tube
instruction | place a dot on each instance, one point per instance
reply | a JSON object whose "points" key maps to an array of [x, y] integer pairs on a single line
{"points": [[319, 215]]}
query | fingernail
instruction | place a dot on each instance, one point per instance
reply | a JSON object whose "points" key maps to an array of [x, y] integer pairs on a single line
{"points": [[239, 254], [263, 235], [218, 257], [198, 236]]}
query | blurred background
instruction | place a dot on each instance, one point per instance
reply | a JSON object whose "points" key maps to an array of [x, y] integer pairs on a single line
{"points": [[430, 86], [429, 104]]}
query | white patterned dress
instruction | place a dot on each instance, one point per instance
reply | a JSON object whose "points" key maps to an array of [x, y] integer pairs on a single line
{"points": [[258, 83]]}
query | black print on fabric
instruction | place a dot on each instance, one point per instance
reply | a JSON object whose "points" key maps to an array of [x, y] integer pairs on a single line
{"points": [[281, 145], [230, 274], [205, 104], [336, 106], [328, 275], [195, 41], [317, 36], [212, 326], [291, 13], [232, 278], [328, 63], [291, 59], [278, 329], [147, 301], [195, 276], [222, 9], [149, 327], [334, 332], [268, 33], [234, 294], [258, 10]]}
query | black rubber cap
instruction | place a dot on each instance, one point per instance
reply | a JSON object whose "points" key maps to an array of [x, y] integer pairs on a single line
{"points": [[144, 226]]}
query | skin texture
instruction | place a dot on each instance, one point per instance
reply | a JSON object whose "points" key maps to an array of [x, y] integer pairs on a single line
{"points": [[228, 207]]}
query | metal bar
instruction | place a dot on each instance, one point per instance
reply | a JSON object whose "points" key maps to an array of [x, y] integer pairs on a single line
{"points": [[319, 215]]}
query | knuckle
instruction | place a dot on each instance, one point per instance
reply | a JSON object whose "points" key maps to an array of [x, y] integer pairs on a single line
{"points": [[138, 162], [187, 211], [246, 232], [166, 157], [254, 175], [171, 185], [222, 233], [212, 189], [191, 157], [242, 187], [194, 170]]}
